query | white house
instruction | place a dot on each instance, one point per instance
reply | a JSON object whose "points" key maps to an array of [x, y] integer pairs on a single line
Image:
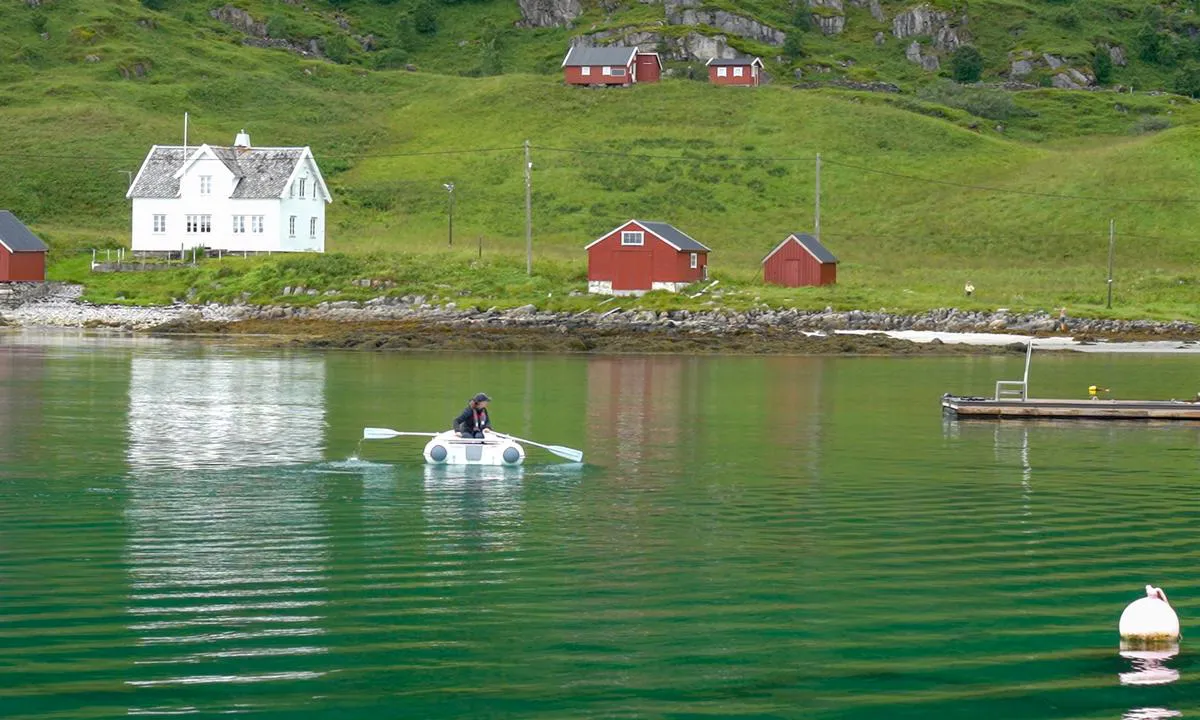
{"points": [[229, 198]]}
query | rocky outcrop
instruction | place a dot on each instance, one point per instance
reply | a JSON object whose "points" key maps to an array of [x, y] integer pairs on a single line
{"points": [[727, 22], [1072, 79], [947, 32], [883, 87], [239, 19], [549, 13], [1116, 53], [692, 46], [829, 16], [1024, 63], [928, 62], [1020, 68]]}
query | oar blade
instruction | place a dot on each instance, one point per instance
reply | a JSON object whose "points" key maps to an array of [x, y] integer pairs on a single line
{"points": [[379, 433], [565, 452]]}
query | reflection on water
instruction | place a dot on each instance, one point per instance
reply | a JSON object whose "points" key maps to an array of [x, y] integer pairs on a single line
{"points": [[227, 568], [221, 411], [1149, 666], [634, 409], [472, 508], [1151, 713]]}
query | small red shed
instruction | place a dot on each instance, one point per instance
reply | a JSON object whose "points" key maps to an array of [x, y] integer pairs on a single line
{"points": [[735, 71], [800, 259], [22, 254], [613, 65], [639, 256]]}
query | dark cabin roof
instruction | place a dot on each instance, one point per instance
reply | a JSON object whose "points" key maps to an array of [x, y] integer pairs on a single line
{"points": [[673, 235], [612, 55], [808, 242], [735, 61], [262, 173], [16, 237]]}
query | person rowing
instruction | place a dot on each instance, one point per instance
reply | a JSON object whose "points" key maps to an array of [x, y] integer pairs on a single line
{"points": [[474, 419]]}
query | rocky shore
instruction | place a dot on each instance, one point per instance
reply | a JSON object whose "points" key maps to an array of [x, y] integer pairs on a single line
{"points": [[411, 322]]}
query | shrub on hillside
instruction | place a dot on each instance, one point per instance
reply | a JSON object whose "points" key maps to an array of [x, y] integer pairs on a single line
{"points": [[338, 48], [154, 4], [424, 17], [792, 46], [38, 20], [391, 58], [984, 103], [1068, 18], [966, 65], [1187, 80], [1102, 66], [1150, 123], [278, 27]]}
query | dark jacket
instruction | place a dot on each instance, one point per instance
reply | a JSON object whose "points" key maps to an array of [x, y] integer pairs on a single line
{"points": [[472, 420]]}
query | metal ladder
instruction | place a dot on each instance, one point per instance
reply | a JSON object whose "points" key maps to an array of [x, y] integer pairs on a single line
{"points": [[1016, 389]]}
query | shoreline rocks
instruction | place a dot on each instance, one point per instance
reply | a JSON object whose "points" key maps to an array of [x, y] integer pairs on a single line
{"points": [[59, 305]]}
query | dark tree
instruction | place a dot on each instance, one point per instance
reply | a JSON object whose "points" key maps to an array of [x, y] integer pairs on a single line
{"points": [[966, 64], [1102, 66]]}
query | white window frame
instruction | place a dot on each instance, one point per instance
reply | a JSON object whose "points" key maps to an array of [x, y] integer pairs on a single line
{"points": [[722, 71], [302, 188], [633, 238], [205, 185], [585, 71], [617, 72], [198, 224], [256, 224], [239, 224], [160, 224], [292, 226], [737, 72], [606, 70], [312, 227], [694, 260]]}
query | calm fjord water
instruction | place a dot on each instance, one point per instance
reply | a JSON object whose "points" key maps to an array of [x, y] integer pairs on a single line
{"points": [[184, 529]]}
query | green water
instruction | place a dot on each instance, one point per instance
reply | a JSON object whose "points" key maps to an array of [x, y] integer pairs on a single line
{"points": [[184, 529]]}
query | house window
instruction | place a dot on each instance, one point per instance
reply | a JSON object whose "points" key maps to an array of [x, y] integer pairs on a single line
{"points": [[585, 71], [737, 72], [312, 227], [205, 185], [617, 72], [694, 260], [632, 238], [256, 224], [721, 71], [302, 188], [160, 223], [239, 224], [292, 226], [199, 224]]}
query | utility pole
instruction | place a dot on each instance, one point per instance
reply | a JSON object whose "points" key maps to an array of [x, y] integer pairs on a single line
{"points": [[528, 212], [1112, 241], [817, 213], [450, 188]]}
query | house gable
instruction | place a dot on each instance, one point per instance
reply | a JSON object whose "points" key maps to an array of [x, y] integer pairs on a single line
{"points": [[306, 162], [668, 234]]}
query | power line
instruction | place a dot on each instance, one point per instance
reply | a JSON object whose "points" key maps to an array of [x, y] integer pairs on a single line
{"points": [[334, 156]]}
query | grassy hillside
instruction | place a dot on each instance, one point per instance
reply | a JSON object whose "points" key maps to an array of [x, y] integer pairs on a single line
{"points": [[921, 190]]}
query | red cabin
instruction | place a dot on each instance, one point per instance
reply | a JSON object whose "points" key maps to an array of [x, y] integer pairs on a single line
{"points": [[22, 254], [800, 259], [640, 256], [613, 65], [735, 71]]}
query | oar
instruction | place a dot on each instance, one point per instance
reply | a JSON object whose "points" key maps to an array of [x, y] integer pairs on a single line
{"points": [[386, 433], [563, 452]]}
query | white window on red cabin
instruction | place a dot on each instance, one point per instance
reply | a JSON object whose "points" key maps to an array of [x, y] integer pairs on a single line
{"points": [[585, 71], [636, 237], [695, 259], [722, 71], [737, 72]]}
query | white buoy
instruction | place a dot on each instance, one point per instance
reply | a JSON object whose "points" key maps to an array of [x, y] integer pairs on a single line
{"points": [[1149, 621]]}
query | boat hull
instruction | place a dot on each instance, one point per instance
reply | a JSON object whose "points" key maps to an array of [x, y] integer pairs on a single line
{"points": [[449, 449], [1099, 409]]}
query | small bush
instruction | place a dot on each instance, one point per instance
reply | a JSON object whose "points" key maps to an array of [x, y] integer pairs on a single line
{"points": [[966, 64], [338, 48], [278, 27], [1187, 80], [1102, 66], [990, 104], [793, 47], [391, 58], [155, 5], [424, 17], [1149, 123], [38, 20], [1068, 19]]}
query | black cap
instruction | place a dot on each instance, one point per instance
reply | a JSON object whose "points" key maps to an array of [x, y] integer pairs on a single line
{"points": [[481, 397]]}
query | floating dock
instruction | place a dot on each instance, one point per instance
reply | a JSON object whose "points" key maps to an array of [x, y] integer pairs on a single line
{"points": [[1012, 400], [978, 407]]}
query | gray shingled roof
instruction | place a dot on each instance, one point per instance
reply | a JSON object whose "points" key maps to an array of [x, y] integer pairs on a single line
{"points": [[814, 246], [611, 55], [16, 237], [261, 172], [734, 61], [673, 235]]}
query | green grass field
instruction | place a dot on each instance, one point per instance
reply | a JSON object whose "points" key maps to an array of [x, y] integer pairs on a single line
{"points": [[917, 196]]}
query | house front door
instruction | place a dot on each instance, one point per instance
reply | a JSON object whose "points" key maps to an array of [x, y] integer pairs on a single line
{"points": [[792, 272]]}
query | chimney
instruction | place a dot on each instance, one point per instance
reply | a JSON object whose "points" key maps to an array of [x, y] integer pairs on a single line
{"points": [[242, 141]]}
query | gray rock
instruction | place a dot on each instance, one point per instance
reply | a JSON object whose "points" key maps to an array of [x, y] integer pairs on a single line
{"points": [[880, 38], [1020, 68], [1080, 78], [927, 62], [1053, 61], [730, 23], [830, 24], [924, 20], [239, 19], [1117, 54], [1064, 82], [835, 5], [549, 13]]}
